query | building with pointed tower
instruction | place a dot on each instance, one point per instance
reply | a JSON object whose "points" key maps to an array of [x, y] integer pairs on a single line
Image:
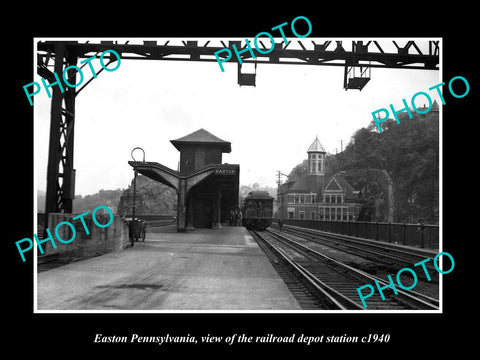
{"points": [[433, 108], [313, 197], [316, 165]]}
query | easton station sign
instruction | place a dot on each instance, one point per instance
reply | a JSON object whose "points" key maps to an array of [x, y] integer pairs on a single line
{"points": [[223, 171]]}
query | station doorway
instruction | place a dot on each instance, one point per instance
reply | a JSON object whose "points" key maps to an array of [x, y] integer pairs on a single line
{"points": [[202, 213]]}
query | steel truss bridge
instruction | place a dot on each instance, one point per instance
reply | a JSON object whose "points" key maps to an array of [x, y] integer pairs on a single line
{"points": [[357, 57]]}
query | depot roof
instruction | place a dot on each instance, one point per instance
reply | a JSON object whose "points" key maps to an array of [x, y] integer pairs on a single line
{"points": [[203, 137]]}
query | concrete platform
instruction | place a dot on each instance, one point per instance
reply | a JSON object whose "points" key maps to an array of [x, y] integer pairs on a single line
{"points": [[200, 270]]}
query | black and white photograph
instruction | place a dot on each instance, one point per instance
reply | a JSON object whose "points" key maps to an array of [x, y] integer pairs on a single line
{"points": [[216, 188], [265, 187]]}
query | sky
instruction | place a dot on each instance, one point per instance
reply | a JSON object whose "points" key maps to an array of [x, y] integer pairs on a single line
{"points": [[147, 103]]}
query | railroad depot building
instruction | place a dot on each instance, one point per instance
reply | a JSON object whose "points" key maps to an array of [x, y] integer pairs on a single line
{"points": [[206, 189], [313, 197]]}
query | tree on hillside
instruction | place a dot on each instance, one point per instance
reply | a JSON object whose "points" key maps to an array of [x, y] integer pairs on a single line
{"points": [[298, 170], [245, 189], [108, 198]]}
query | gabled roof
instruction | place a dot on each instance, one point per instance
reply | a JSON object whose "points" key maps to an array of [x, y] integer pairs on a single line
{"points": [[316, 146], [337, 181], [204, 137], [333, 186]]}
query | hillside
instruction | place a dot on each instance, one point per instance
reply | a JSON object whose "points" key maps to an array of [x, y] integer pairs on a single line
{"points": [[408, 152], [152, 198], [245, 189], [103, 197]]}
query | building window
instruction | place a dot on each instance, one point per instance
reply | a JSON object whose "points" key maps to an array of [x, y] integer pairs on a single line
{"points": [[291, 214], [313, 215], [327, 199], [308, 199], [301, 215], [296, 199], [290, 199]]}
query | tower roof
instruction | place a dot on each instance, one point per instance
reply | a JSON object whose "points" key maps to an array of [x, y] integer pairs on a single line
{"points": [[424, 109], [201, 137], [316, 146]]}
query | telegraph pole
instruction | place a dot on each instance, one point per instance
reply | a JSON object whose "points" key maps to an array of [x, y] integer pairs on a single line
{"points": [[279, 201]]}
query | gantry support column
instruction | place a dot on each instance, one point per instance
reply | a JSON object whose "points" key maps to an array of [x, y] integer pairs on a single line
{"points": [[59, 196]]}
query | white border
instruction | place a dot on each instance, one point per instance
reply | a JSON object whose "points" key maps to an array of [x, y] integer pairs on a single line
{"points": [[35, 177]]}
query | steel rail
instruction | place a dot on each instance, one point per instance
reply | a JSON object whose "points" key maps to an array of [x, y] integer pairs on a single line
{"points": [[410, 300], [381, 250], [335, 301]]}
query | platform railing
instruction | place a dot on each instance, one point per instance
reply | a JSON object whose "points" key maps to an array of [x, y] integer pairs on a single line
{"points": [[419, 235]]}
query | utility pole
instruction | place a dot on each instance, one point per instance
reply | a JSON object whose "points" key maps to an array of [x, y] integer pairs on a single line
{"points": [[279, 199]]}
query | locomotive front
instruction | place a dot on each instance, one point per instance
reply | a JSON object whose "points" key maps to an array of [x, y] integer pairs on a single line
{"points": [[258, 210]]}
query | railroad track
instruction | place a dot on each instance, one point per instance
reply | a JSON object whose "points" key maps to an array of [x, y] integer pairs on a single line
{"points": [[53, 261], [301, 290], [334, 283], [386, 255]]}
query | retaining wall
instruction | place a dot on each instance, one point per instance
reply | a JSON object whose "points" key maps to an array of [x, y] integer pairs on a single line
{"points": [[99, 240]]}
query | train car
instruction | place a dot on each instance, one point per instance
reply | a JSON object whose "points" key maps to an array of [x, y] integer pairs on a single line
{"points": [[257, 210]]}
